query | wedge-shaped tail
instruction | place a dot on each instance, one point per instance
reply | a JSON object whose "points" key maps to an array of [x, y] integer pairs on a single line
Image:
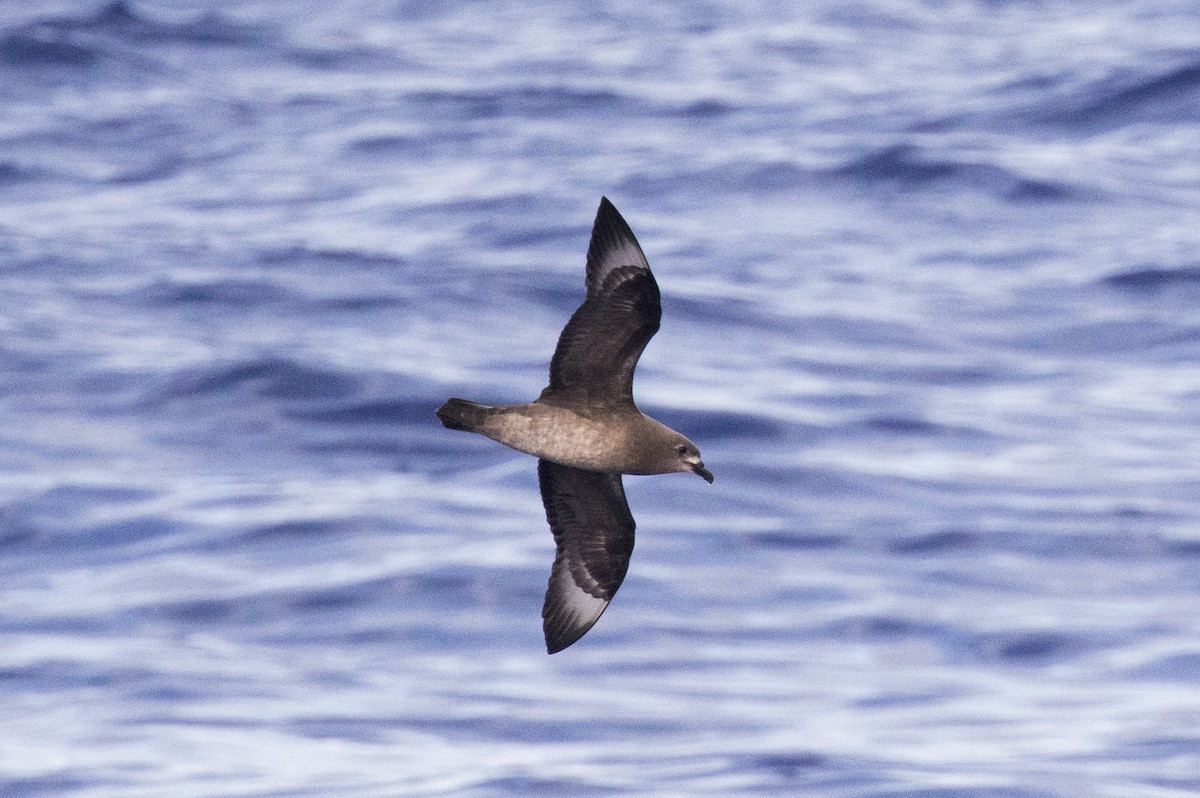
{"points": [[463, 415]]}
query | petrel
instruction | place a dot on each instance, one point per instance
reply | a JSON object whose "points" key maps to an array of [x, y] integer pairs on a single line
{"points": [[586, 431]]}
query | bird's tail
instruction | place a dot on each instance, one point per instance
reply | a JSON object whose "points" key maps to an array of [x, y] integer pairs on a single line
{"points": [[461, 414]]}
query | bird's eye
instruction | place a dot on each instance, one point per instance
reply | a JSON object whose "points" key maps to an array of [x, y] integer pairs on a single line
{"points": [[681, 448]]}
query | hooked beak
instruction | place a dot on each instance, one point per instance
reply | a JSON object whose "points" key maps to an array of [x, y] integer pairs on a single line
{"points": [[699, 468]]}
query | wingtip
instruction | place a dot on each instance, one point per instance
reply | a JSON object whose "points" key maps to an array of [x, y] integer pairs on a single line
{"points": [[563, 630], [610, 229], [557, 640], [608, 211]]}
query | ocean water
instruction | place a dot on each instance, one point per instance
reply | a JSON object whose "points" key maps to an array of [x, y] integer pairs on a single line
{"points": [[931, 292]]}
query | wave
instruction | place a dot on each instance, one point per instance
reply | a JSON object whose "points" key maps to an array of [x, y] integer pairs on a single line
{"points": [[383, 412], [1154, 278], [12, 173], [59, 517], [521, 101], [40, 47], [905, 166], [232, 292], [753, 177], [713, 425], [85, 43], [901, 425], [245, 293], [936, 543], [123, 20], [902, 167], [301, 410], [1032, 648], [276, 378], [325, 256], [795, 540], [1171, 96], [1180, 667]]}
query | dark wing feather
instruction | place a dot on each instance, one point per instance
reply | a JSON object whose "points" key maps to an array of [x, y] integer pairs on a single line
{"points": [[593, 534], [600, 346]]}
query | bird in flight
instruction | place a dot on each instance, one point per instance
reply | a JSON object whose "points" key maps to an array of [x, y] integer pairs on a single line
{"points": [[586, 431]]}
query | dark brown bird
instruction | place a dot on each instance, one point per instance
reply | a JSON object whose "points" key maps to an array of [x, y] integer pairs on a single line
{"points": [[586, 431]]}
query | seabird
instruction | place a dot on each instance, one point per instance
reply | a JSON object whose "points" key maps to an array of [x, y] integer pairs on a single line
{"points": [[586, 431]]}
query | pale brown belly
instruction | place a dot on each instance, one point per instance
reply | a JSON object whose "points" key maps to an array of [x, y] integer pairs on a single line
{"points": [[558, 434]]}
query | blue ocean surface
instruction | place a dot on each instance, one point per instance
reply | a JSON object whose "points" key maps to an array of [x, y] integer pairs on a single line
{"points": [[931, 310]]}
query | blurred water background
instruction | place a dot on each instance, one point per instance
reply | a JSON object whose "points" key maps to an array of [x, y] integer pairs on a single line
{"points": [[931, 310]]}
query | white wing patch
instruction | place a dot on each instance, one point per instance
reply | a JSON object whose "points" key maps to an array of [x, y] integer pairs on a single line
{"points": [[572, 610]]}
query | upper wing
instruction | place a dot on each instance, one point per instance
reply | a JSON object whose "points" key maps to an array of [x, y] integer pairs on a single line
{"points": [[600, 346], [593, 533]]}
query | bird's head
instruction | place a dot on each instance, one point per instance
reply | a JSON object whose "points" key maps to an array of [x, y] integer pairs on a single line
{"points": [[688, 458]]}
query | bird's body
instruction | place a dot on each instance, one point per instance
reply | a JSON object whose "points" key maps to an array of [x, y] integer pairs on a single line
{"points": [[586, 431], [594, 439]]}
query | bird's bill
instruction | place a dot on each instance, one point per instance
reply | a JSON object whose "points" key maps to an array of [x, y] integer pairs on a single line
{"points": [[702, 471]]}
